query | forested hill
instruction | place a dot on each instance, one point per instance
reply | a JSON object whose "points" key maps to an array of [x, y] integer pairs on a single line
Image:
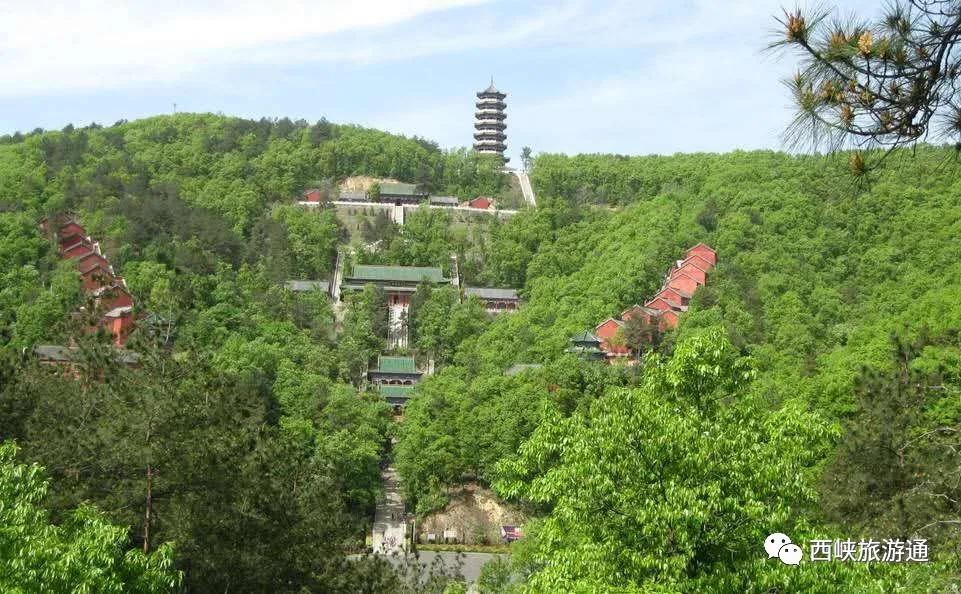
{"points": [[811, 389], [228, 165], [844, 299], [241, 436]]}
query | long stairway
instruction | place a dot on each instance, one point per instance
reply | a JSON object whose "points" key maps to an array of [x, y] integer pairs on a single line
{"points": [[390, 528], [526, 189]]}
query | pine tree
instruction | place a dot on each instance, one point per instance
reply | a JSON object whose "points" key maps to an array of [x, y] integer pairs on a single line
{"points": [[894, 472]]}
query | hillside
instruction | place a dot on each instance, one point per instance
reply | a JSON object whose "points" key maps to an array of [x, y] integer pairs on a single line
{"points": [[826, 339], [815, 277], [241, 434]]}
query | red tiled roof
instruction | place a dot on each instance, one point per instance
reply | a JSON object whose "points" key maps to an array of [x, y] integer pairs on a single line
{"points": [[697, 261], [678, 272], [703, 245], [663, 290], [647, 310]]}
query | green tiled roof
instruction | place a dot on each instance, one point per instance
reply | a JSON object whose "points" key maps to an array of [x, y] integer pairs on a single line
{"points": [[394, 391], [364, 272], [585, 336], [396, 364], [401, 189]]}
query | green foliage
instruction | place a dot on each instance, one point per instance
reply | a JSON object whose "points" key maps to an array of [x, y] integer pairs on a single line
{"points": [[671, 485], [468, 174], [454, 428], [36, 291], [424, 240], [527, 158], [311, 237], [262, 461], [641, 335], [440, 321], [814, 275], [85, 553], [245, 502], [379, 229], [266, 456], [365, 332], [897, 469], [495, 577]]}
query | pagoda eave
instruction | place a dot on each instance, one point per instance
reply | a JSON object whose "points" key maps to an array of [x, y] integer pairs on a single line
{"points": [[489, 125]]}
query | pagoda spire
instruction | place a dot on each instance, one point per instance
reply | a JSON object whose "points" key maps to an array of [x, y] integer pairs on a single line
{"points": [[489, 125]]}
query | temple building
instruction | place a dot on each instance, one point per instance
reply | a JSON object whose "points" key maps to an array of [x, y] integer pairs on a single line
{"points": [[71, 358], [394, 371], [586, 345], [445, 201], [112, 302], [659, 314], [396, 396], [495, 300], [610, 332], [394, 378], [400, 193], [308, 286], [399, 282], [489, 126]]}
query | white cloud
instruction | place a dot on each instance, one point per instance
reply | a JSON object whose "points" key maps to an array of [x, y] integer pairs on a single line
{"points": [[486, 32], [684, 74], [95, 44]]}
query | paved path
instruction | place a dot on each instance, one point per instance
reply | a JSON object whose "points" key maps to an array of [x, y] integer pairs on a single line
{"points": [[397, 327], [389, 526], [399, 217], [467, 565], [338, 277], [526, 188]]}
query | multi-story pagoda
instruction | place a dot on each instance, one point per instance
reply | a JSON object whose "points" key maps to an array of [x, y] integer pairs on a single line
{"points": [[489, 136]]}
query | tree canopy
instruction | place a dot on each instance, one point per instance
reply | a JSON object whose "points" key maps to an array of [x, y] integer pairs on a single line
{"points": [[814, 277], [245, 437], [83, 553]]}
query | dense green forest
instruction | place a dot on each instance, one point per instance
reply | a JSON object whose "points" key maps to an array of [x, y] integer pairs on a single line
{"points": [[812, 389], [243, 423], [813, 385]]}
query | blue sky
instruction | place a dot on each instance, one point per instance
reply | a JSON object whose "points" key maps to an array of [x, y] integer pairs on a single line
{"points": [[634, 77]]}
